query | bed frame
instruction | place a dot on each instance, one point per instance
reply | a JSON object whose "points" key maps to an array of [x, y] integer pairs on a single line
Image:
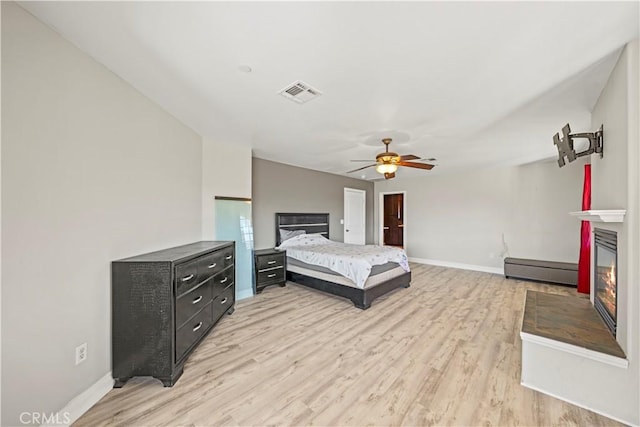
{"points": [[319, 223]]}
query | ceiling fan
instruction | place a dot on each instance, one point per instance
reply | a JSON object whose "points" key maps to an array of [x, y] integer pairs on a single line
{"points": [[387, 163]]}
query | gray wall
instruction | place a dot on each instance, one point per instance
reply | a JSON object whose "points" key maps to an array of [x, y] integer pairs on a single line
{"points": [[463, 218], [88, 176], [277, 187]]}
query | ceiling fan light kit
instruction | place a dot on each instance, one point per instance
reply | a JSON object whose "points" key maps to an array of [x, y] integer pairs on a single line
{"points": [[384, 168], [387, 163]]}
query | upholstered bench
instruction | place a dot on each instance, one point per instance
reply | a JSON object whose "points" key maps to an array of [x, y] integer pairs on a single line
{"points": [[564, 273]]}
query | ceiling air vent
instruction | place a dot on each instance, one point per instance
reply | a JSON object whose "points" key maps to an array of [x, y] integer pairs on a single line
{"points": [[300, 92]]}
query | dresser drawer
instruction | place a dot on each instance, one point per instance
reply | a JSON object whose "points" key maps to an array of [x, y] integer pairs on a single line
{"points": [[214, 263], [210, 264], [222, 280], [186, 276], [270, 261], [222, 303], [193, 330], [192, 302], [272, 275], [227, 256]]}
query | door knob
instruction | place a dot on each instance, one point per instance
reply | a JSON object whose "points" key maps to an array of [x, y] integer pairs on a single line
{"points": [[346, 231]]}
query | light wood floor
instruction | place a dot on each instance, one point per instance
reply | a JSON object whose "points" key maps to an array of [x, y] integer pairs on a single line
{"points": [[445, 351]]}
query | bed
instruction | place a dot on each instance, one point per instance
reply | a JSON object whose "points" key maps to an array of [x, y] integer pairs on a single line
{"points": [[382, 279]]}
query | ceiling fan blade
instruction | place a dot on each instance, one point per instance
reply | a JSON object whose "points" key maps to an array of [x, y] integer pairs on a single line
{"points": [[416, 165], [408, 157], [359, 169], [389, 175], [363, 160]]}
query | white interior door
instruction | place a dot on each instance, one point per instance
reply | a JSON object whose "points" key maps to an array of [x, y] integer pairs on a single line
{"points": [[354, 216]]}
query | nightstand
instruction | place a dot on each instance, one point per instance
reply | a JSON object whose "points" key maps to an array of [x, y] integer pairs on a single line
{"points": [[270, 268]]}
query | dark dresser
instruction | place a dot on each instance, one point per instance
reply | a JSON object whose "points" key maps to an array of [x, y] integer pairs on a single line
{"points": [[270, 268], [164, 303]]}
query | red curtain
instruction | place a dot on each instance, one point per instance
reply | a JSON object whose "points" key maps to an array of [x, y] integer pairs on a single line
{"points": [[584, 263]]}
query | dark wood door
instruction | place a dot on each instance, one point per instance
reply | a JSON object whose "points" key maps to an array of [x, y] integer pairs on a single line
{"points": [[393, 219]]}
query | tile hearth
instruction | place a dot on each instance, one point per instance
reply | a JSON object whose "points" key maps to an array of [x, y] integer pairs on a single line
{"points": [[571, 320]]}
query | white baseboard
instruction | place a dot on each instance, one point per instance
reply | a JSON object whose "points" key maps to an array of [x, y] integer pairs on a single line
{"points": [[627, 422], [482, 268], [83, 402]]}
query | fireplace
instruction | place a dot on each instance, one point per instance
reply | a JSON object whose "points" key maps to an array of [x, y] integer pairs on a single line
{"points": [[605, 266]]}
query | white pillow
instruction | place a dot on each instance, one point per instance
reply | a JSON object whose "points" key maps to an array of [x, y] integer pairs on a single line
{"points": [[287, 234]]}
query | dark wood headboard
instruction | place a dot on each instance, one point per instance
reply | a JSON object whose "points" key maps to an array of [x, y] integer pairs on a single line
{"points": [[317, 223]]}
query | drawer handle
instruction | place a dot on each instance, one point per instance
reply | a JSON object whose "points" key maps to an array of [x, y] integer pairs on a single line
{"points": [[228, 257], [223, 301], [271, 275], [198, 326], [189, 277], [212, 265], [224, 280], [197, 300], [271, 262]]}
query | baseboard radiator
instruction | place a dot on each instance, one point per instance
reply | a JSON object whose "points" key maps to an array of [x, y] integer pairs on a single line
{"points": [[563, 273]]}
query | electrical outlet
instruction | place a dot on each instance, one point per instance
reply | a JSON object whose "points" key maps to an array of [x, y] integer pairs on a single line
{"points": [[81, 353]]}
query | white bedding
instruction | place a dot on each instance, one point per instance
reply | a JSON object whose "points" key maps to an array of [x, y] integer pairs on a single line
{"points": [[352, 261]]}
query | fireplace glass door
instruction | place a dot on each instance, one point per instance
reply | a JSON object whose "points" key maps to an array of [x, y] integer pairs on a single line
{"points": [[605, 298]]}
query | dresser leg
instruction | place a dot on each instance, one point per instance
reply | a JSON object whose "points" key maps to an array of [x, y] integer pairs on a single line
{"points": [[282, 285], [170, 381], [119, 382], [231, 310]]}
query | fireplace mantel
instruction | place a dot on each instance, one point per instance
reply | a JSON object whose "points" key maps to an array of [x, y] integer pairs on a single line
{"points": [[608, 215]]}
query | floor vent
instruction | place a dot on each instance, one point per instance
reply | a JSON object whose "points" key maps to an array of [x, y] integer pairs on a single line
{"points": [[300, 92]]}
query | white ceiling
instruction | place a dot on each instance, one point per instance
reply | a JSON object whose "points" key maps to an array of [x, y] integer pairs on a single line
{"points": [[472, 84]]}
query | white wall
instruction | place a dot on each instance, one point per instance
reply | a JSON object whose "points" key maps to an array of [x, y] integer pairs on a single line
{"points": [[610, 188], [92, 171], [633, 211], [543, 195], [0, 227], [606, 388], [463, 218], [456, 218], [616, 186], [226, 171]]}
